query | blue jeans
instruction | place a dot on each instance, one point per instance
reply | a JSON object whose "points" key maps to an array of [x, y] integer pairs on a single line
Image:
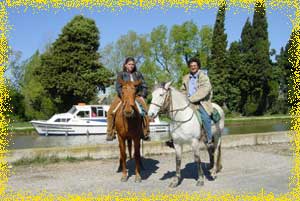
{"points": [[206, 123]]}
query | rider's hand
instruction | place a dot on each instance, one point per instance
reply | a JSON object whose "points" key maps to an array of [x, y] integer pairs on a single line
{"points": [[141, 97]]}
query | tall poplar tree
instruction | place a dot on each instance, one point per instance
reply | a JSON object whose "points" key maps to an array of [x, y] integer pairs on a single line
{"points": [[217, 63], [261, 70], [246, 77]]}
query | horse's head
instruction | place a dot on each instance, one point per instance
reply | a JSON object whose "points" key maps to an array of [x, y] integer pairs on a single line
{"points": [[159, 99], [128, 95]]}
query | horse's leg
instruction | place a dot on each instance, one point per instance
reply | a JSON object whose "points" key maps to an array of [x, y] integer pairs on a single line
{"points": [[177, 177], [211, 158], [129, 143], [137, 157], [123, 159], [217, 159], [196, 149], [120, 166]]}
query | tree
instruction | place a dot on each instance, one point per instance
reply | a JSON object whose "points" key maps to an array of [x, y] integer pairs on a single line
{"points": [[185, 40], [37, 102], [290, 67], [15, 74], [205, 33], [284, 63], [217, 62], [160, 48], [70, 71], [235, 78], [246, 81], [261, 68], [129, 45]]}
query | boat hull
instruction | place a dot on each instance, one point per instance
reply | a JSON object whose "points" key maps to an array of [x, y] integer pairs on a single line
{"points": [[91, 128]]}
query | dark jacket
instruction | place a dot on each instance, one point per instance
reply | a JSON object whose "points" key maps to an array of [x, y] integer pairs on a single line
{"points": [[141, 89]]}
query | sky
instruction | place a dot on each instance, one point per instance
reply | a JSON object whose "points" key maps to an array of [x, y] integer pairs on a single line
{"points": [[31, 31]]}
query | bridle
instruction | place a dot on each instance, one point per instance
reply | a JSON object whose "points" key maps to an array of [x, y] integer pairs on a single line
{"points": [[169, 110]]}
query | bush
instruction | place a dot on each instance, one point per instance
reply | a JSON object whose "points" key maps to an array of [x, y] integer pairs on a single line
{"points": [[250, 108], [279, 107]]}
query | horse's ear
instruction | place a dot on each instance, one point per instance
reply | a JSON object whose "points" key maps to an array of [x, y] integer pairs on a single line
{"points": [[137, 82], [122, 82], [168, 84]]}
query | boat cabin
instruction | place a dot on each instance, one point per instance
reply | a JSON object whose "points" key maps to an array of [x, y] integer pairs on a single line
{"points": [[89, 111]]}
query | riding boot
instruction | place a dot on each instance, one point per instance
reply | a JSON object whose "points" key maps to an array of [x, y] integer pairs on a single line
{"points": [[146, 122], [207, 126], [110, 134], [146, 130]]}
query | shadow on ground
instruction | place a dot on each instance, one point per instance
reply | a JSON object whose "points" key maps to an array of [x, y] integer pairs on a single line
{"points": [[189, 172], [148, 167]]}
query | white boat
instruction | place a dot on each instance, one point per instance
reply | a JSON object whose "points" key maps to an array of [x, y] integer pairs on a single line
{"points": [[84, 119]]}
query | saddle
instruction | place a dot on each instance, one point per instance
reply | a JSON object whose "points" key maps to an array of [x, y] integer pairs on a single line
{"points": [[215, 116]]}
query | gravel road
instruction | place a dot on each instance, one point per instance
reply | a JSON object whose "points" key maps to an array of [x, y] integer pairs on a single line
{"points": [[245, 169]]}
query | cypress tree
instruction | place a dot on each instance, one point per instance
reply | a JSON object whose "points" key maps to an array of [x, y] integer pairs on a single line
{"points": [[217, 62], [261, 68], [290, 53], [235, 79], [246, 82]]}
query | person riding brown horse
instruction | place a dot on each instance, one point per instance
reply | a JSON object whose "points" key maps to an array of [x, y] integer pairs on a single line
{"points": [[129, 73], [128, 124]]}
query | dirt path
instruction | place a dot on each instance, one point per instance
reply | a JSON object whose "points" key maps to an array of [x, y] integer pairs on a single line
{"points": [[245, 169]]}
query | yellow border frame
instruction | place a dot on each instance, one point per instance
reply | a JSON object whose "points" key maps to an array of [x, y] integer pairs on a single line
{"points": [[114, 5]]}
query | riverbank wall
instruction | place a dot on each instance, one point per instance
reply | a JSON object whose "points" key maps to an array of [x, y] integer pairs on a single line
{"points": [[103, 151]]}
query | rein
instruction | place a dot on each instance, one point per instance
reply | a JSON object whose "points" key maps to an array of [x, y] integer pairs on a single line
{"points": [[170, 111]]}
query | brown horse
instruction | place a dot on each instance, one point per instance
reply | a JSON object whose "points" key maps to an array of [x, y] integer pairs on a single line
{"points": [[128, 123]]}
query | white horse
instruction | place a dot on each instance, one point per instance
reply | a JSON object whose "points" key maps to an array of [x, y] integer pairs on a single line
{"points": [[185, 129]]}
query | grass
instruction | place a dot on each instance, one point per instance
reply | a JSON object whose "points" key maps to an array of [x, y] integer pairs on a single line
{"points": [[257, 118], [41, 160], [20, 124]]}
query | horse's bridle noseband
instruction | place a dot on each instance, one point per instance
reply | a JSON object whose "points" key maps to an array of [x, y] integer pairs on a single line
{"points": [[167, 100], [163, 108]]}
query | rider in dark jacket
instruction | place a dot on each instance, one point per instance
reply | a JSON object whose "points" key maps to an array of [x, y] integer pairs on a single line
{"points": [[129, 73]]}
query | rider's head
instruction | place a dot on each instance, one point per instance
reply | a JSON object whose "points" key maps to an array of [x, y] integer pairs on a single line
{"points": [[129, 65], [194, 65]]}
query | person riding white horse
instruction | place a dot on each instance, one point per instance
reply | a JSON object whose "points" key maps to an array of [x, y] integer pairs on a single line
{"points": [[197, 87], [185, 128]]}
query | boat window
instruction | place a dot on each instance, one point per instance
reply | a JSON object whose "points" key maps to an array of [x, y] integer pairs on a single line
{"points": [[100, 112], [72, 110], [94, 112], [61, 120], [105, 114], [83, 114]]}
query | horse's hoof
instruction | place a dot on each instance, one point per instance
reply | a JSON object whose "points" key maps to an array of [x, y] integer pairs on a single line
{"points": [[119, 169], [173, 184], [138, 179], [200, 183], [214, 176], [124, 179], [219, 168]]}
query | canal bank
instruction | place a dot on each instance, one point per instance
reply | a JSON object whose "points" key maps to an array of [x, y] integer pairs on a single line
{"points": [[111, 150]]}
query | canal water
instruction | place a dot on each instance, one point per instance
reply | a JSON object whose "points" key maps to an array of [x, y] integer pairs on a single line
{"points": [[231, 128]]}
